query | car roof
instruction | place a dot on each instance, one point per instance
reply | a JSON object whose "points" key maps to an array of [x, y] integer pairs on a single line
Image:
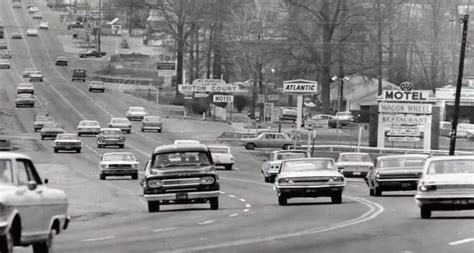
{"points": [[14, 155], [180, 148], [121, 118], [88, 120], [309, 159], [119, 153], [136, 107], [354, 153], [218, 145], [25, 84], [403, 156], [67, 134]]}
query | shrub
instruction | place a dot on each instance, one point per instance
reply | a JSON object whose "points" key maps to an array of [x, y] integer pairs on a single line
{"points": [[240, 102]]}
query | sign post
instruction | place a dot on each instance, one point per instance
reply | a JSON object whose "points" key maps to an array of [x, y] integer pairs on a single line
{"points": [[300, 87]]}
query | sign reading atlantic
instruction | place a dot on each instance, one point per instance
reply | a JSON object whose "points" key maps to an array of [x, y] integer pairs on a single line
{"points": [[300, 86]]}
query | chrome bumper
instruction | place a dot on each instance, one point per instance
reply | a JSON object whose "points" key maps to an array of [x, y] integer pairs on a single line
{"points": [[191, 195]]}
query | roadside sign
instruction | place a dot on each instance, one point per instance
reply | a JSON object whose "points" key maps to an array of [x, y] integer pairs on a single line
{"points": [[205, 82], [201, 95], [405, 108], [208, 88], [261, 99], [399, 95], [300, 86], [407, 139], [406, 86], [166, 66], [223, 98], [273, 98], [404, 119], [268, 111]]}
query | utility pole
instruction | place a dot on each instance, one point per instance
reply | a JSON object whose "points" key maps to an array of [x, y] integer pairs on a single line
{"points": [[454, 125], [379, 48], [100, 25]]}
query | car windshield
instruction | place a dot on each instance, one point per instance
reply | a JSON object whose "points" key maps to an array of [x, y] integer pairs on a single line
{"points": [[344, 114], [178, 159], [6, 175], [401, 162], [25, 85], [111, 132], [222, 150], [88, 123], [451, 167], [51, 125], [67, 137], [354, 158], [119, 121], [308, 165], [291, 155], [24, 95], [119, 157], [136, 109], [152, 119]]}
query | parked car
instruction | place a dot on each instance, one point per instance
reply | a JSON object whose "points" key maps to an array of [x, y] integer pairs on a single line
{"points": [[33, 9], [43, 25], [395, 173], [186, 142], [464, 129], [6, 54], [322, 117], [354, 164], [110, 137], [16, 36], [97, 86], [61, 61], [28, 71], [152, 123], [25, 88], [221, 155], [40, 121], [36, 76], [5, 144], [447, 184], [32, 32], [91, 53], [271, 167], [88, 127], [37, 15], [51, 130], [309, 178], [167, 184], [67, 142], [3, 44], [121, 123], [75, 24], [118, 164], [25, 99], [267, 140], [79, 74], [445, 128], [5, 64], [32, 213]]}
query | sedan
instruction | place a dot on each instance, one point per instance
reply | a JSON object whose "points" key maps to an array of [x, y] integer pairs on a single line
{"points": [[51, 130], [354, 164], [221, 155], [23, 100], [447, 184], [36, 76], [97, 86], [23, 88], [61, 61], [152, 123], [271, 167], [118, 164], [67, 142], [309, 178], [110, 137], [28, 71], [43, 26], [121, 123], [32, 32], [5, 64], [395, 173], [37, 15], [16, 36], [33, 9], [92, 53], [6, 54], [135, 113], [88, 127], [40, 121]]}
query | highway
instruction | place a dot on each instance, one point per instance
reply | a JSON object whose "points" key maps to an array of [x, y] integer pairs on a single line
{"points": [[111, 216]]}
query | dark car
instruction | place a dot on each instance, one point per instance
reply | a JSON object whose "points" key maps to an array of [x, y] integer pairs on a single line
{"points": [[61, 61], [92, 53], [75, 24], [181, 174], [79, 74], [395, 173]]}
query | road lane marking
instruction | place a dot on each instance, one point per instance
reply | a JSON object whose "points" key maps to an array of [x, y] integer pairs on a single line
{"points": [[461, 241], [243, 200], [248, 205], [232, 196], [98, 239], [234, 215], [246, 210], [164, 229], [206, 222]]}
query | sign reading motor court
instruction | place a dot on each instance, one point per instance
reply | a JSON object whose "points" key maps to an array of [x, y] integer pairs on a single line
{"points": [[400, 95], [208, 88]]}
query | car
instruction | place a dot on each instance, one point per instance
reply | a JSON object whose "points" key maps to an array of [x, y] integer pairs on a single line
{"points": [[323, 117], [32, 213], [267, 140], [61, 61], [463, 129], [5, 64], [37, 15], [23, 100], [51, 130], [86, 127], [395, 173], [92, 53], [6, 54], [79, 74], [67, 142], [3, 44], [97, 86], [75, 24], [28, 71], [221, 155], [121, 123], [167, 184], [445, 128], [288, 115], [118, 164], [36, 76], [135, 113], [179, 142], [25, 88], [33, 9], [43, 25], [16, 5], [32, 32], [16, 36], [152, 123], [345, 118], [40, 121], [110, 137], [447, 184], [5, 144], [309, 178], [271, 166], [355, 164]]}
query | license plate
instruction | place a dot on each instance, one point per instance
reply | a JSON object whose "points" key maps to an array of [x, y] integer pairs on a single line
{"points": [[310, 190], [460, 202], [356, 173], [182, 195]]}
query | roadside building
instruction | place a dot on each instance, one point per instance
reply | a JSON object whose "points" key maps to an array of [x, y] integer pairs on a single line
{"points": [[445, 100]]}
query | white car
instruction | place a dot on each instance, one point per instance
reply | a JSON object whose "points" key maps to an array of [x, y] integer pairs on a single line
{"points": [[25, 88], [309, 178], [121, 123], [88, 127], [447, 184], [32, 32], [67, 142], [28, 71], [5, 64], [221, 155], [32, 213], [97, 86], [135, 113], [37, 15], [118, 164], [33, 9], [464, 129], [6, 54], [176, 142], [43, 25], [354, 164], [36, 76], [271, 166], [16, 5]]}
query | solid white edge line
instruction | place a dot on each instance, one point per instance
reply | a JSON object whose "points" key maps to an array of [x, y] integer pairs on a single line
{"points": [[98, 239], [461, 241]]}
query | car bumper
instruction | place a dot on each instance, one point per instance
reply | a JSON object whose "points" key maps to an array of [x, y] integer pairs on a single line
{"points": [[49, 134], [118, 172], [174, 196], [111, 142], [122, 128], [88, 131], [25, 103], [354, 173], [308, 191], [135, 117], [397, 184], [152, 127], [64, 147], [445, 201]]}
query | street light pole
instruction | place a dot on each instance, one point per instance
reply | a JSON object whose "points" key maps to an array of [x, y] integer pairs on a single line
{"points": [[100, 25]]}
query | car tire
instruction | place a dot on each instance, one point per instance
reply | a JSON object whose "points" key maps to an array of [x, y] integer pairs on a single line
{"points": [[42, 137], [102, 177], [99, 146], [129, 131], [78, 150], [90, 90], [214, 202], [56, 150], [122, 146], [159, 130], [44, 246], [425, 213], [266, 179], [271, 179], [135, 176], [103, 90], [7, 242], [377, 191], [250, 146], [153, 206], [142, 129], [371, 192], [336, 199], [79, 134], [286, 146], [282, 200], [228, 166]]}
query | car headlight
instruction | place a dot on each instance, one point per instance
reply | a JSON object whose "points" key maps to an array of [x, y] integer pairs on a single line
{"points": [[377, 175], [207, 180], [122, 138], [425, 188], [285, 181], [104, 166], [154, 183], [336, 179]]}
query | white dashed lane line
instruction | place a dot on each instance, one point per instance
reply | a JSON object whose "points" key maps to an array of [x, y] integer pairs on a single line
{"points": [[461, 241], [247, 206], [233, 215], [243, 200], [206, 222], [164, 229], [99, 239]]}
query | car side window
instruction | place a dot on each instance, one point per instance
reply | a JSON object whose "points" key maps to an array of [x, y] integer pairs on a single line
{"points": [[26, 172]]}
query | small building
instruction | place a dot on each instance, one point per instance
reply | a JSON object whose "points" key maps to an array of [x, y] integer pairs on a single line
{"points": [[445, 100]]}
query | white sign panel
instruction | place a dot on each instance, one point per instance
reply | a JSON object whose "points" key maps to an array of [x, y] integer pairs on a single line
{"points": [[404, 139], [404, 119], [208, 88], [405, 108], [321, 123], [273, 98], [300, 86], [223, 99], [209, 82], [449, 94], [399, 95], [201, 95]]}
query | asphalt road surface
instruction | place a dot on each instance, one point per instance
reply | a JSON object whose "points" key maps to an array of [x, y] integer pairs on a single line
{"points": [[111, 216]]}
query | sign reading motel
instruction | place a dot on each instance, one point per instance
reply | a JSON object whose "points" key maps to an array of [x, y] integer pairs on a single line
{"points": [[399, 95]]}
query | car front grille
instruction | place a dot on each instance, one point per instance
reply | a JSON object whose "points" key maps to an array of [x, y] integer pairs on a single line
{"points": [[69, 143], [194, 181], [311, 180], [120, 166], [400, 176]]}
